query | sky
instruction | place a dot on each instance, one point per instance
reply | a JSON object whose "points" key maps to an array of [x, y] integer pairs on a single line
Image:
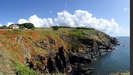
{"points": [[109, 16]]}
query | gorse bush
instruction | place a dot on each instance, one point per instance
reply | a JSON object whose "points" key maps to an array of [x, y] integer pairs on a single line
{"points": [[85, 28], [27, 25], [24, 70], [55, 27], [64, 27]]}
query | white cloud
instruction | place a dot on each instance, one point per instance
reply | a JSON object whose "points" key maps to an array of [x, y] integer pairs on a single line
{"points": [[0, 25], [9, 23], [22, 21], [122, 32], [38, 22], [80, 18], [48, 22], [125, 9]]}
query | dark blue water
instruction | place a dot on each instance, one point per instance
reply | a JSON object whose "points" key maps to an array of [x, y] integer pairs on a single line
{"points": [[116, 61]]}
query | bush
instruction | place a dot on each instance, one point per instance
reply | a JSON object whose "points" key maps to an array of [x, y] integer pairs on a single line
{"points": [[28, 25], [64, 27], [78, 33], [85, 28], [32, 28], [21, 27], [4, 27], [55, 27], [24, 70]]}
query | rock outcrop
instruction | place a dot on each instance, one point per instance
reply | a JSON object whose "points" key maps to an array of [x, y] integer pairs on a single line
{"points": [[72, 63]]}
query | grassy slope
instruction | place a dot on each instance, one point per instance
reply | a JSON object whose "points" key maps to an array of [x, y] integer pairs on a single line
{"points": [[127, 73], [18, 43]]}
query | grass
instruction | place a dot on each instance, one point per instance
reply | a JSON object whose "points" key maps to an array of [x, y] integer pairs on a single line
{"points": [[44, 34], [24, 70], [20, 69], [121, 73], [78, 33]]}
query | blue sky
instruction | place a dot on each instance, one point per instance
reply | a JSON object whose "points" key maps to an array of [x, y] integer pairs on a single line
{"points": [[14, 10]]}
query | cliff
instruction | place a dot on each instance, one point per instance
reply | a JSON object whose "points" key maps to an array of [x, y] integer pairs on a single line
{"points": [[44, 50]]}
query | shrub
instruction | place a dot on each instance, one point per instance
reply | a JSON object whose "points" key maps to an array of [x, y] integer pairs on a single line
{"points": [[85, 28], [21, 27], [24, 70], [55, 27], [64, 27], [27, 25], [4, 27], [78, 33]]}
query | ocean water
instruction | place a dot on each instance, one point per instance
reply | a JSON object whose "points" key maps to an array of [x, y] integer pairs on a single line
{"points": [[116, 61]]}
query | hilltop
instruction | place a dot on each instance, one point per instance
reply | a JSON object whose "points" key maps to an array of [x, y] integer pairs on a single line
{"points": [[44, 50]]}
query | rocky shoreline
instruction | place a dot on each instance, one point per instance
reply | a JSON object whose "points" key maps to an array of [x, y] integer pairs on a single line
{"points": [[72, 62]]}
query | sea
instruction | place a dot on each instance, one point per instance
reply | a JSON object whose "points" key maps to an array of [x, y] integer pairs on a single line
{"points": [[116, 61]]}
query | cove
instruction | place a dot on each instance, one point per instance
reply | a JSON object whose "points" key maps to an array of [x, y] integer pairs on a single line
{"points": [[116, 61]]}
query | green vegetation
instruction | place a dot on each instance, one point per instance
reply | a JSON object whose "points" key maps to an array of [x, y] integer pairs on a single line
{"points": [[27, 25], [55, 27], [64, 27], [119, 73], [4, 27], [85, 28], [17, 41], [23, 70], [60, 27], [21, 27], [78, 33]]}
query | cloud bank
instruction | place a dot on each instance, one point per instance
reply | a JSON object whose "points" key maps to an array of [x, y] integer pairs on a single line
{"points": [[80, 18], [9, 23]]}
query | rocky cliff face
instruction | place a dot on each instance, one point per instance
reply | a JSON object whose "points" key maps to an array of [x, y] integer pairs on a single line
{"points": [[53, 51]]}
